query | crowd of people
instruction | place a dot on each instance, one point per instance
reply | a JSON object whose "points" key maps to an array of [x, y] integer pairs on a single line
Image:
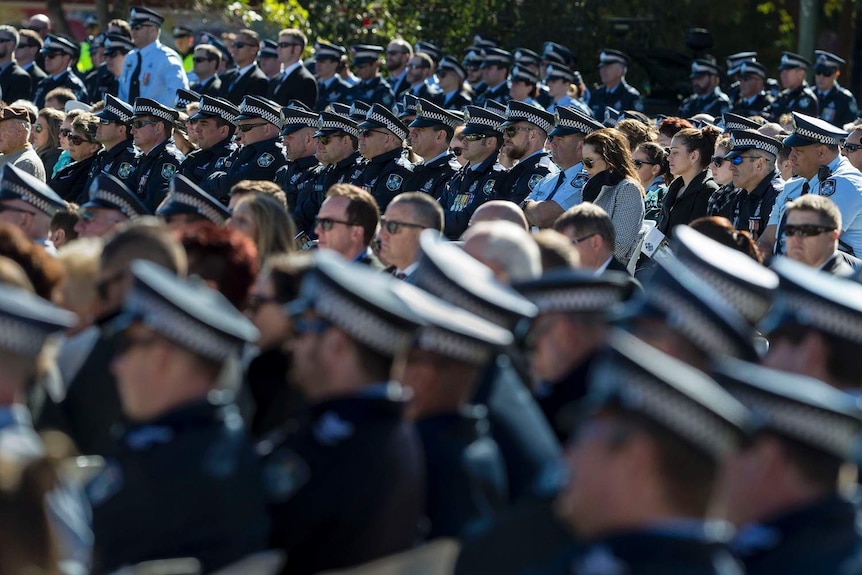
{"points": [[260, 315]]}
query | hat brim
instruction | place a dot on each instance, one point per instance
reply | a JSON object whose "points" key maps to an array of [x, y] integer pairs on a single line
{"points": [[101, 205], [291, 128], [562, 131], [176, 209], [468, 129], [789, 67], [372, 124], [796, 141], [420, 122]]}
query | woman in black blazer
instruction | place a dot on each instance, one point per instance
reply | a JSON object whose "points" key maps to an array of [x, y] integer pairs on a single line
{"points": [[70, 182]]}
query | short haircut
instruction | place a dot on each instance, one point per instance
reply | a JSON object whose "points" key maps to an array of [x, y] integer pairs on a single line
{"points": [[145, 238], [403, 44], [556, 250], [246, 187], [296, 35], [62, 95], [43, 270], [636, 132], [286, 271], [11, 30], [87, 123], [825, 209], [588, 218], [250, 34], [211, 51], [426, 209], [362, 209], [65, 220], [125, 27], [34, 36], [510, 246]]}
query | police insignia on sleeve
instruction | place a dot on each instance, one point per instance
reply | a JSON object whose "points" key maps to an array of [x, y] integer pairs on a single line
{"points": [[489, 187], [265, 160], [804, 102], [168, 171], [827, 188], [125, 170], [534, 181], [284, 474], [394, 182]]}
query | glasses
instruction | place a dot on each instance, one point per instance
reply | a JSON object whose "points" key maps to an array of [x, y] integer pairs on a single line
{"points": [[4, 208], [65, 133], [324, 140], [395, 52], [78, 140], [806, 230], [717, 161], [579, 240], [114, 54], [255, 302], [142, 25], [640, 163], [105, 121], [393, 227], [415, 66], [826, 73], [589, 162], [249, 127], [38, 128], [240, 45], [29, 46], [138, 124], [4, 40], [737, 161], [202, 60], [52, 55], [326, 224], [850, 148], [287, 44], [367, 133], [512, 130], [474, 137], [748, 78]]}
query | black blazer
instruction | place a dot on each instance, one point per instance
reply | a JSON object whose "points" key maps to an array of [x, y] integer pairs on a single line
{"points": [[616, 265], [213, 87], [36, 73], [682, 209], [299, 85], [253, 83], [15, 83]]}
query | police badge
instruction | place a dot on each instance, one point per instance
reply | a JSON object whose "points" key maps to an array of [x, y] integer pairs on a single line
{"points": [[168, 171], [804, 102], [827, 188], [534, 181], [124, 171], [394, 182], [265, 160], [489, 187]]}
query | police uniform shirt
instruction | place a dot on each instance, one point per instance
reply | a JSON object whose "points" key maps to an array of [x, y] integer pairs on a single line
{"points": [[499, 94], [801, 99], [456, 100], [838, 106], [161, 74], [544, 98], [119, 161], [757, 105], [65, 79], [575, 103], [793, 189], [430, 92], [471, 187], [200, 163], [257, 161], [373, 91], [292, 175], [525, 176], [570, 191], [716, 103], [329, 91], [312, 192], [209, 87], [154, 172], [844, 188], [163, 494], [385, 175], [622, 97], [431, 176], [751, 210]]}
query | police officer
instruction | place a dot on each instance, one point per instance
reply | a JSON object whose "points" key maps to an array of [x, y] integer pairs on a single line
{"points": [[186, 97], [796, 95], [337, 142], [173, 339], [525, 132], [430, 134], [451, 75], [118, 156], [752, 98], [59, 53], [111, 203], [300, 124], [560, 80], [472, 64], [496, 64], [381, 143], [330, 87], [530, 60], [371, 88], [106, 78], [479, 180], [260, 154], [152, 70], [29, 204], [614, 91], [152, 129], [187, 204], [752, 162], [214, 124], [837, 104], [347, 486], [707, 97]]}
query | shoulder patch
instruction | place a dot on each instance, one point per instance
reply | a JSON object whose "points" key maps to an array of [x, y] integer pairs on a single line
{"points": [[489, 187], [827, 188], [168, 171], [265, 160], [534, 181], [804, 102], [124, 170], [284, 473], [394, 182]]}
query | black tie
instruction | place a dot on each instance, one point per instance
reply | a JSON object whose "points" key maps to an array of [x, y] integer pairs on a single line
{"points": [[806, 187], [135, 84], [560, 180]]}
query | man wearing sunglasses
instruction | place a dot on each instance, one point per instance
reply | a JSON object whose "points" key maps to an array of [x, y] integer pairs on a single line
{"points": [[451, 75], [152, 129], [214, 124], [295, 81], [430, 134], [381, 143], [525, 132], [206, 62], [29, 45], [15, 82], [300, 146], [246, 79], [371, 88], [706, 97], [152, 70], [330, 87], [752, 98], [796, 95], [106, 79], [811, 235], [752, 163], [347, 223], [837, 104], [59, 53], [405, 218], [118, 157], [495, 67]]}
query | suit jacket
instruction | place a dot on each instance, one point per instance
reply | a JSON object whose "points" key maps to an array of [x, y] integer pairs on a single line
{"points": [[299, 85], [840, 264], [212, 88], [15, 83], [36, 73], [616, 265], [253, 83]]}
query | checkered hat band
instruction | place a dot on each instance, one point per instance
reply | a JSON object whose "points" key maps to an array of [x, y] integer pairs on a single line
{"points": [[431, 281], [309, 121], [691, 321], [824, 316], [518, 116], [122, 114], [122, 203], [485, 122], [31, 198], [452, 345], [733, 126], [166, 319], [328, 53], [451, 68], [400, 132], [226, 115], [575, 299], [368, 55], [21, 338], [153, 111], [817, 136], [575, 124], [336, 125], [263, 113], [200, 205], [440, 118], [755, 143], [752, 307], [806, 424], [672, 410], [360, 322]]}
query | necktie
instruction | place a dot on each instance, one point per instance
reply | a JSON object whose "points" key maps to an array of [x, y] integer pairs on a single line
{"points": [[400, 276], [135, 82], [560, 180], [806, 187]]}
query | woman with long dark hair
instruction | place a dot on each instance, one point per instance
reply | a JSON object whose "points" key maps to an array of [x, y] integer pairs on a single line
{"points": [[650, 160]]}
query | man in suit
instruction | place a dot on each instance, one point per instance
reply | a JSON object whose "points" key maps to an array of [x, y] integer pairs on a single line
{"points": [[347, 222], [206, 61], [15, 82], [590, 228], [398, 53], [295, 81], [247, 79], [29, 44], [812, 231], [406, 217]]}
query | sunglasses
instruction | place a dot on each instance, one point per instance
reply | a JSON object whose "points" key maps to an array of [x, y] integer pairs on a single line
{"points": [[474, 137], [851, 147], [4, 40], [737, 161], [202, 60], [806, 230], [826, 73], [324, 140], [249, 127], [38, 128], [394, 52], [576, 241], [717, 161], [105, 121], [287, 44], [326, 224], [138, 124], [393, 227], [640, 163], [29, 46], [415, 66], [367, 133], [589, 162], [78, 140], [241, 45], [144, 25], [65, 133], [52, 55], [512, 130]]}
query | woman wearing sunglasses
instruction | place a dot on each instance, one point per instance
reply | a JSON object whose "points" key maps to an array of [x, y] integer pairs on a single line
{"points": [[689, 159], [70, 181], [45, 137], [722, 201], [650, 161], [614, 185]]}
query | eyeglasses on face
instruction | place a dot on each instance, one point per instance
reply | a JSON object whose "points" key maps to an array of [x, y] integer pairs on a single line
{"points": [[474, 137], [367, 133], [105, 121], [198, 60], [241, 45], [52, 55], [326, 224], [822, 72], [576, 241], [65, 133], [415, 66], [287, 44], [737, 161], [78, 140], [590, 162], [850, 148], [38, 128], [806, 230], [138, 124], [5, 40], [393, 227], [324, 140], [640, 163], [249, 127], [510, 131], [395, 52], [140, 25], [717, 161]]}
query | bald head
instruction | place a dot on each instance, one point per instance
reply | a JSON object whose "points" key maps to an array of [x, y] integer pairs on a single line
{"points": [[39, 23], [507, 248], [499, 210]]}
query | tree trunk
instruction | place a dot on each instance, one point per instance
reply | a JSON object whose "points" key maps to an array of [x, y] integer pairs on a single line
{"points": [[58, 18]]}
